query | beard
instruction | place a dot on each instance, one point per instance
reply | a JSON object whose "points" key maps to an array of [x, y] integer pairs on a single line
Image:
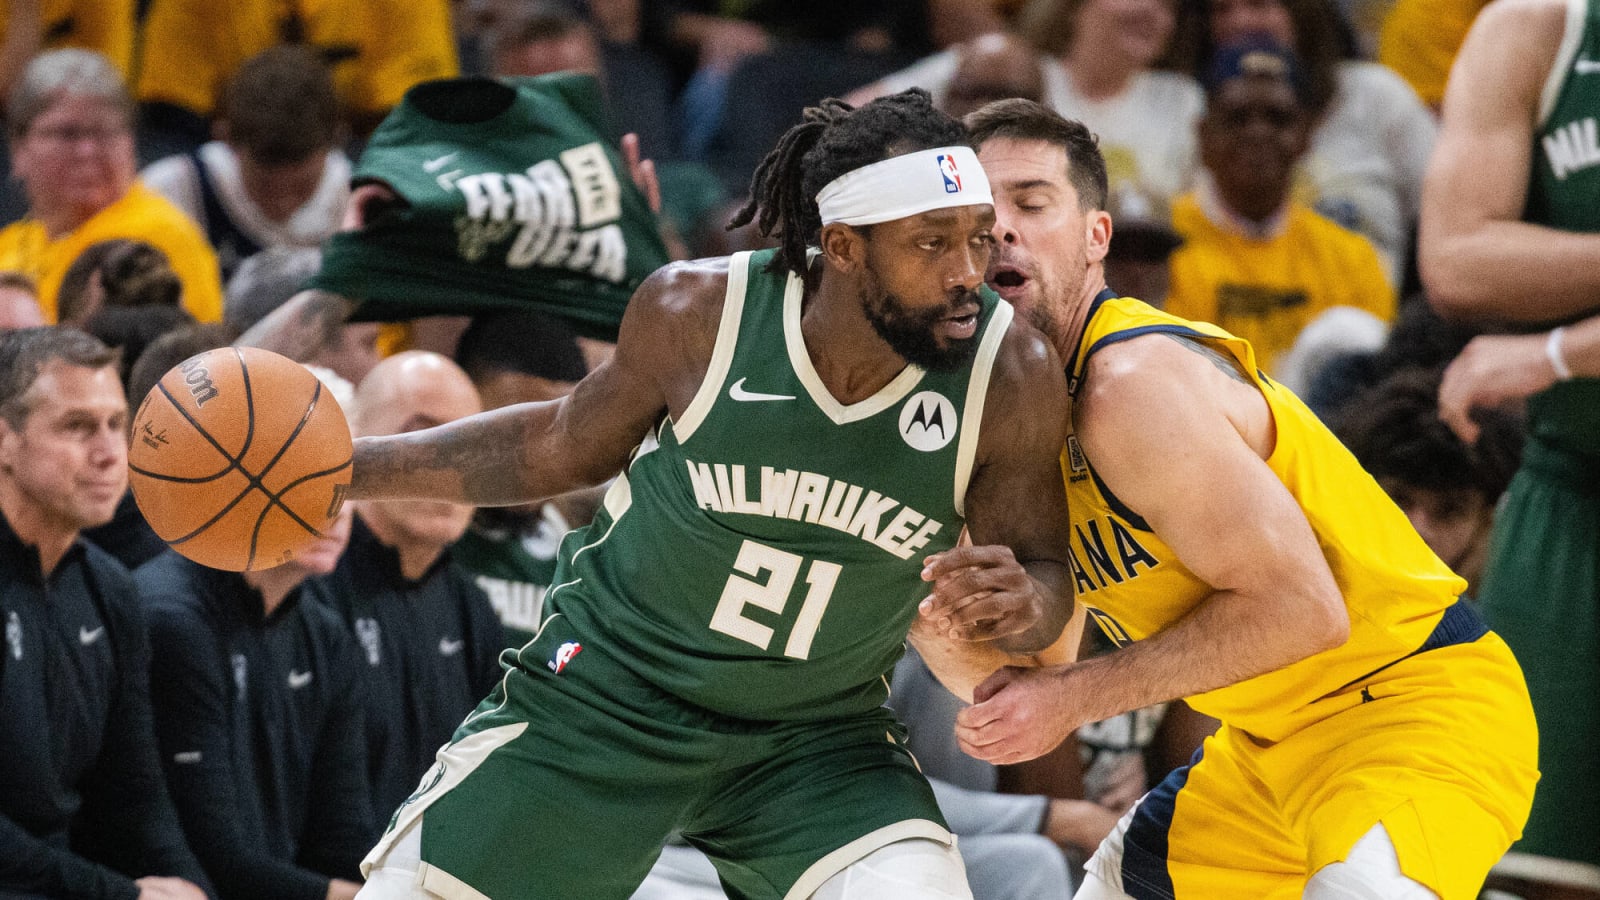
{"points": [[912, 334]]}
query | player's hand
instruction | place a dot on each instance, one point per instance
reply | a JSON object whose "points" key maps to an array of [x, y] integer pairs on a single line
{"points": [[979, 594], [1493, 371], [158, 888], [1017, 714], [642, 171], [364, 203]]}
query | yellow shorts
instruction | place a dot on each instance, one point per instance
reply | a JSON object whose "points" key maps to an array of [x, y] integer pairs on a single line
{"points": [[1441, 748]]}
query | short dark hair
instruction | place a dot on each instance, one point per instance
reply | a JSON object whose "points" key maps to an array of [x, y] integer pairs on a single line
{"points": [[1026, 120], [834, 138], [1394, 431], [132, 273], [166, 351], [25, 352], [527, 343], [281, 107]]}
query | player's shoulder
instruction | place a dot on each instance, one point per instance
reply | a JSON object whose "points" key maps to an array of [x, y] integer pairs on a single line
{"points": [[1532, 25], [1159, 367], [684, 287]]}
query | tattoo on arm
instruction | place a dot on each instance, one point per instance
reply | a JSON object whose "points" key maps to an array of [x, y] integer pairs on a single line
{"points": [[1221, 360], [302, 326]]}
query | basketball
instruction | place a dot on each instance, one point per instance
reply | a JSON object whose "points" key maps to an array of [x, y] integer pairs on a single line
{"points": [[238, 458]]}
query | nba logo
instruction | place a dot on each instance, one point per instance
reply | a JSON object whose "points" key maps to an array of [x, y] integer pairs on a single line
{"points": [[952, 178]]}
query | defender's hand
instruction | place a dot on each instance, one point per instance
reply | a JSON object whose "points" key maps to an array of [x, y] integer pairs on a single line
{"points": [[1018, 714], [979, 594]]}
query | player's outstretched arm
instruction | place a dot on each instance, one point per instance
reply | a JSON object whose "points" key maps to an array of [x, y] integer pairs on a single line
{"points": [[1181, 438], [1478, 260], [1008, 595], [533, 451]]}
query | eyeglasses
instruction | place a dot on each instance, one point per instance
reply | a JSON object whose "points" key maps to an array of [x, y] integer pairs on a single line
{"points": [[72, 135]]}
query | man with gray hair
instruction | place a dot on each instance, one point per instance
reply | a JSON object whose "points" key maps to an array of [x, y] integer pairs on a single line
{"points": [[84, 811]]}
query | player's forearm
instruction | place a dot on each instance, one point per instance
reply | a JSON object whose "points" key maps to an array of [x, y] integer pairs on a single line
{"points": [[482, 460], [962, 665], [309, 321], [1227, 639], [1512, 272], [1053, 582]]}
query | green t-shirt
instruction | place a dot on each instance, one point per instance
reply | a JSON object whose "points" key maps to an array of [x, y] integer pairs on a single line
{"points": [[513, 198], [514, 567]]}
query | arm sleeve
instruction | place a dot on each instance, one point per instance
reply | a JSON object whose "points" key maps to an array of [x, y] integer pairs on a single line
{"points": [[190, 682], [338, 830], [29, 866], [127, 808]]}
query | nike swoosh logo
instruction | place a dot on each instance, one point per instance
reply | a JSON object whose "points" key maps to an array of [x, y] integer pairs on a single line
{"points": [[738, 392], [448, 647], [87, 637], [298, 680], [438, 162], [1585, 66]]}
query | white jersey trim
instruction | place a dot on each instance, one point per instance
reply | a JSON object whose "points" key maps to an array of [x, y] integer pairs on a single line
{"points": [[836, 862], [1571, 39], [722, 354], [887, 396], [452, 765], [977, 393]]}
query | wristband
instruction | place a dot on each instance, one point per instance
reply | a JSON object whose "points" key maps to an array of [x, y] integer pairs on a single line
{"points": [[1552, 352]]}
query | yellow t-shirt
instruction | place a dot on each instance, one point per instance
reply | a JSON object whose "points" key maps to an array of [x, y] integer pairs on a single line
{"points": [[377, 48], [105, 26], [1134, 585], [1266, 289], [140, 215], [1420, 40]]}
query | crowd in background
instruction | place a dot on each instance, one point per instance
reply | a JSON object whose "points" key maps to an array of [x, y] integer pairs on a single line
{"points": [[176, 166]]}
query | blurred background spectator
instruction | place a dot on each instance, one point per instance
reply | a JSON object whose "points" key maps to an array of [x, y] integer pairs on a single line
{"points": [[71, 128], [267, 280], [19, 302], [276, 176]]}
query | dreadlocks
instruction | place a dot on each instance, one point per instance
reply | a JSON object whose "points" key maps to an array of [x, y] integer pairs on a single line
{"points": [[834, 138]]}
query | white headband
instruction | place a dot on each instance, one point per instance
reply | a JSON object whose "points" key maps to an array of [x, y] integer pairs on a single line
{"points": [[904, 186]]}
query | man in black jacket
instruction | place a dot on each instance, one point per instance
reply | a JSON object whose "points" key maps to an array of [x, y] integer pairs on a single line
{"points": [[259, 714], [84, 811]]}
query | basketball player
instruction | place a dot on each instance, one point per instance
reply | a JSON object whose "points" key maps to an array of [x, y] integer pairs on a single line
{"points": [[713, 653], [1377, 741], [1511, 246]]}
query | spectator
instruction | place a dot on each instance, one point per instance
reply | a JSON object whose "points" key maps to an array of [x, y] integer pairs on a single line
{"points": [[1103, 75], [117, 272], [259, 713], [1371, 135], [989, 67], [1447, 488], [429, 636], [84, 811], [277, 177], [510, 551], [128, 536], [70, 124], [267, 280], [1507, 241], [1142, 243], [1420, 39], [19, 302], [376, 49], [1254, 260]]}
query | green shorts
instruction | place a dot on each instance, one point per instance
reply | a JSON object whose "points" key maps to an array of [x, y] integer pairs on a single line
{"points": [[1541, 593], [565, 784]]}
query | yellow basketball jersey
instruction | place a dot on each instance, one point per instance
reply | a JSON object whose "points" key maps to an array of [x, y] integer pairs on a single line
{"points": [[1395, 588]]}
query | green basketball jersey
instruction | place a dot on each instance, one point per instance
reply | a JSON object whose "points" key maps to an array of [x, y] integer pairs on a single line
{"points": [[1564, 193], [514, 198], [762, 559]]}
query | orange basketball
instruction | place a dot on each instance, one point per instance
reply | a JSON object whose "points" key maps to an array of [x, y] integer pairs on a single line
{"points": [[238, 458]]}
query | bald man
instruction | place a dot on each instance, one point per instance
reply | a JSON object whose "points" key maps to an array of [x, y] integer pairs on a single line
{"points": [[428, 634]]}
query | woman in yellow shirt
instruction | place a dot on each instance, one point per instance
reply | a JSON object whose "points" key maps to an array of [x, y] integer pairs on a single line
{"points": [[70, 123]]}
